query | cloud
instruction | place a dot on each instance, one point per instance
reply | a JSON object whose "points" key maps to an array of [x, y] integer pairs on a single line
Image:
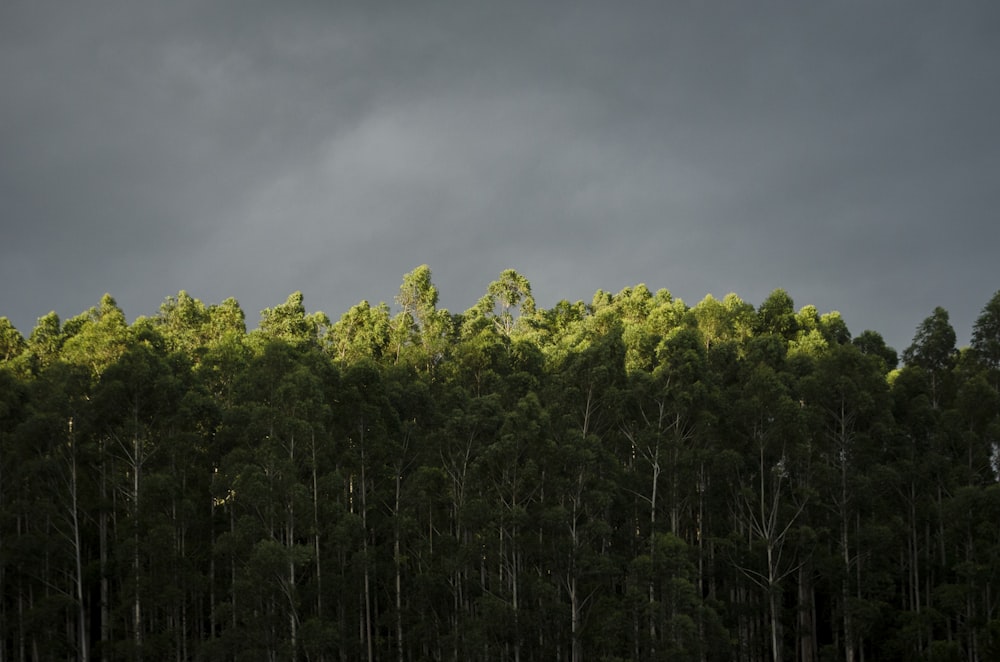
{"points": [[844, 152]]}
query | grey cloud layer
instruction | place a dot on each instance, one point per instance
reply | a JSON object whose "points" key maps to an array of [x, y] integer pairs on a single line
{"points": [[844, 152]]}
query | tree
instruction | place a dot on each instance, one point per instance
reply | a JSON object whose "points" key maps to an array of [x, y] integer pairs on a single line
{"points": [[847, 400], [986, 338], [663, 421], [361, 333], [871, 343], [766, 505], [134, 400], [184, 323], [419, 324], [290, 323], [933, 351], [776, 315], [11, 341], [96, 338], [509, 292]]}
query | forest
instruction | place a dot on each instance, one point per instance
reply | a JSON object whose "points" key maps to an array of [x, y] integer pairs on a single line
{"points": [[632, 478]]}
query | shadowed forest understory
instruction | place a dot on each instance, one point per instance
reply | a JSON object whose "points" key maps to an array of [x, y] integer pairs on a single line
{"points": [[630, 479]]}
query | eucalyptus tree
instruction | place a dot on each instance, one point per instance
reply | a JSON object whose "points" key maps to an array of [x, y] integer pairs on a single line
{"points": [[633, 306], [135, 401], [44, 343], [365, 425], [509, 294], [289, 323], [716, 320], [184, 323], [54, 457], [12, 343], [470, 396], [283, 416], [922, 395], [13, 402], [587, 365], [226, 320], [96, 338], [420, 327], [986, 339], [871, 343], [363, 332], [511, 477], [809, 339], [776, 315], [766, 505], [848, 402], [660, 417], [933, 351]]}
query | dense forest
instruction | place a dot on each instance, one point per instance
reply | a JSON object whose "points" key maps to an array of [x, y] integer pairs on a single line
{"points": [[630, 479]]}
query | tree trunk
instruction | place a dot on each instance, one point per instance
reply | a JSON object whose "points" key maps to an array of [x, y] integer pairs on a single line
{"points": [[364, 551], [397, 559], [316, 532], [102, 534], [136, 569], [807, 616]]}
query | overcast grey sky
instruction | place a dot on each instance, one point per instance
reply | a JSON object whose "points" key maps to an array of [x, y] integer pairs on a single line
{"points": [[845, 151]]}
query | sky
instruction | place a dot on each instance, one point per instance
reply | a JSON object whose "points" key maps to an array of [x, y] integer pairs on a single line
{"points": [[847, 152]]}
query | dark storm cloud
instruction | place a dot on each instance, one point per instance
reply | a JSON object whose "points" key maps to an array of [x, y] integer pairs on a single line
{"points": [[844, 151]]}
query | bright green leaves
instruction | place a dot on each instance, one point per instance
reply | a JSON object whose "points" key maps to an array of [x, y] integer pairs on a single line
{"points": [[98, 337], [290, 323], [510, 293], [183, 321], [11, 341], [420, 328], [361, 332]]}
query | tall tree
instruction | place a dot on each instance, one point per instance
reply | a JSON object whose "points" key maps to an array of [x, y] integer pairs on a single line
{"points": [[509, 293], [933, 351], [11, 341], [986, 338]]}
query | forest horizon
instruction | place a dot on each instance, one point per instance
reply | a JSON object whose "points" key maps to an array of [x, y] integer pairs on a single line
{"points": [[631, 478]]}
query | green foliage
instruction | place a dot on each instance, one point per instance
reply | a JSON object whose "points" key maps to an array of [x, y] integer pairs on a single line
{"points": [[933, 347], [11, 341], [776, 315], [628, 479]]}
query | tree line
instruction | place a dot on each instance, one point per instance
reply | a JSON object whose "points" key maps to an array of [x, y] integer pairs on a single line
{"points": [[629, 479]]}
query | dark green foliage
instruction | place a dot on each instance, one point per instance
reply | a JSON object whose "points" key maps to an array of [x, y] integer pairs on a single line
{"points": [[632, 479]]}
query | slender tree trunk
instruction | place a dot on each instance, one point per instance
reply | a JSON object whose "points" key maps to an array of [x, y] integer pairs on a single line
{"points": [[807, 613], [290, 545], [845, 595], [136, 569], [397, 559], [703, 654], [364, 550], [21, 639], [83, 647], [774, 609], [211, 571], [316, 533], [576, 655], [651, 588], [232, 567], [102, 535], [845, 587]]}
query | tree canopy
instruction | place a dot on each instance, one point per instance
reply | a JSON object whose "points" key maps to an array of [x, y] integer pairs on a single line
{"points": [[631, 478]]}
